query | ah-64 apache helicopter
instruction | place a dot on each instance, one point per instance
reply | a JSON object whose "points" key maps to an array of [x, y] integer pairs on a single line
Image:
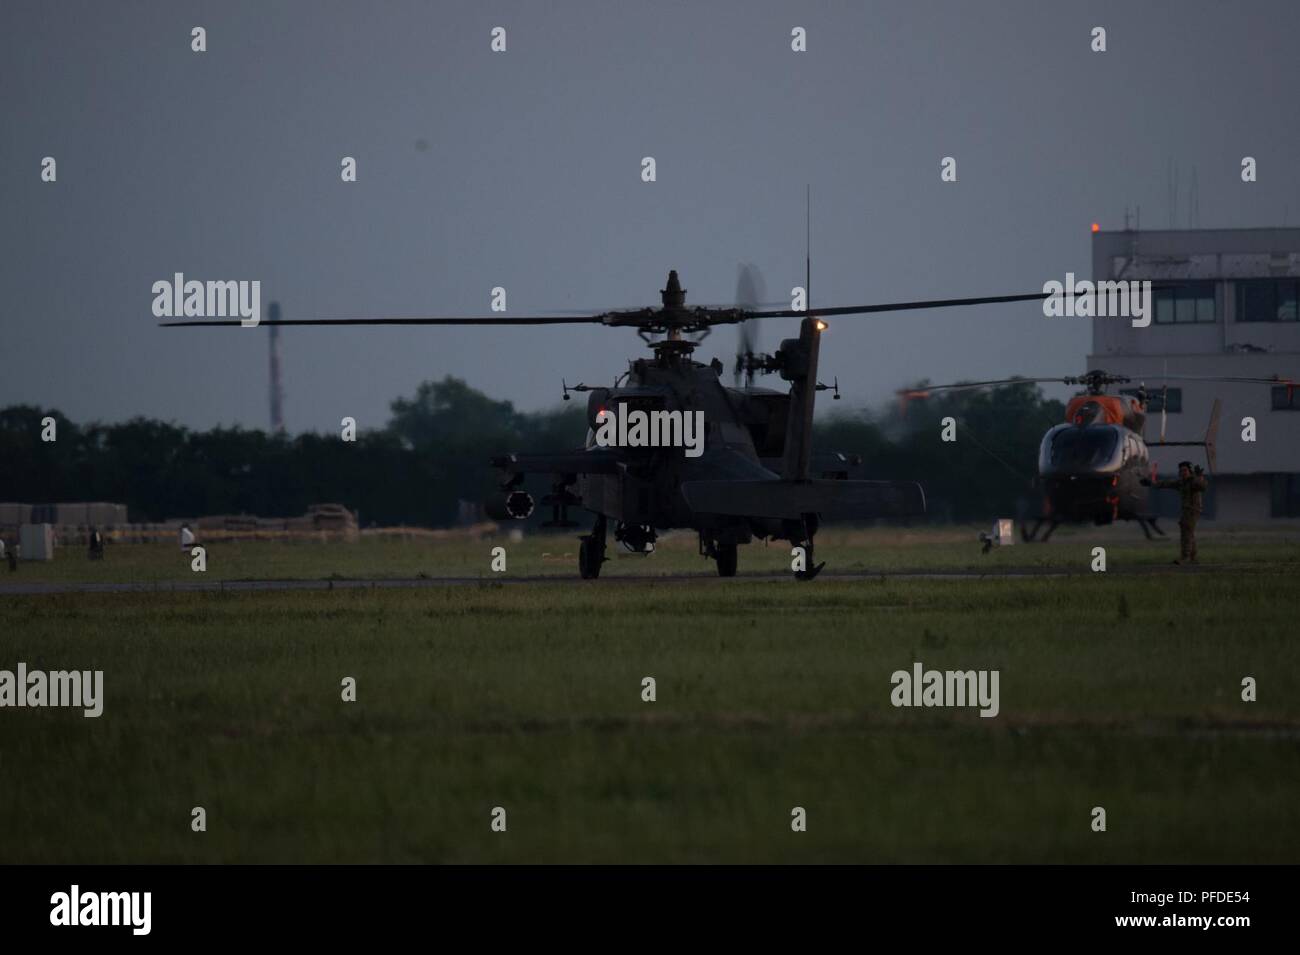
{"points": [[1091, 466], [755, 477]]}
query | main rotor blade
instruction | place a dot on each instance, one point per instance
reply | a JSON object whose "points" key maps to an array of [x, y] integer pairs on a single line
{"points": [[1274, 380], [481, 320], [901, 306], [971, 385], [1075, 379]]}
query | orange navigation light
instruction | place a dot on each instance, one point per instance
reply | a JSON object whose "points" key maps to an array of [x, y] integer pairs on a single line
{"points": [[1096, 227]]}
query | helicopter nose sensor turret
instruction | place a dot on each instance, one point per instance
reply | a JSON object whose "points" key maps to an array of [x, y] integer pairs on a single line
{"points": [[674, 296]]}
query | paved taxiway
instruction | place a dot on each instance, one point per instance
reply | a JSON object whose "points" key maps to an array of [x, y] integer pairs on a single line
{"points": [[24, 587]]}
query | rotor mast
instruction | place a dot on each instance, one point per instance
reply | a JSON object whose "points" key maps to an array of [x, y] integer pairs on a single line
{"points": [[674, 300]]}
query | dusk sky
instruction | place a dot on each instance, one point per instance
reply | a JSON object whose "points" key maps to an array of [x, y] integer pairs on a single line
{"points": [[522, 170]]}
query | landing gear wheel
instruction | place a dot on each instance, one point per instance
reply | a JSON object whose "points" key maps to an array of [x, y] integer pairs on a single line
{"points": [[727, 556], [812, 569], [589, 559], [806, 529], [591, 550]]}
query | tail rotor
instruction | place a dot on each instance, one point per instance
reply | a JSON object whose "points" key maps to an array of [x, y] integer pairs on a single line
{"points": [[750, 292]]}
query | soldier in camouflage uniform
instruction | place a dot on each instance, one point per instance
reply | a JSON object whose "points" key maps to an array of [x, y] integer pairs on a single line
{"points": [[1191, 486]]}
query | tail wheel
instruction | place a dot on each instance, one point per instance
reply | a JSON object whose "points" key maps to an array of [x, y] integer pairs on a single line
{"points": [[727, 556], [811, 570], [590, 557]]}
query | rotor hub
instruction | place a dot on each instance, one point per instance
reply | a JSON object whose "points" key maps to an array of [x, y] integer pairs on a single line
{"points": [[673, 348], [1096, 381], [673, 296]]}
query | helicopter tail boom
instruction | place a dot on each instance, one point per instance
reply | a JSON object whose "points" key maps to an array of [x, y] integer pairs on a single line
{"points": [[798, 364], [1209, 444]]}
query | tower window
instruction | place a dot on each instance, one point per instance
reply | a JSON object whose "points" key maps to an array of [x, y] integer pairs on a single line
{"points": [[1267, 300], [1190, 303]]}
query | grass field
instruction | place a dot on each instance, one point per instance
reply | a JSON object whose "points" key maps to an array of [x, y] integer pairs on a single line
{"points": [[844, 550], [1117, 690]]}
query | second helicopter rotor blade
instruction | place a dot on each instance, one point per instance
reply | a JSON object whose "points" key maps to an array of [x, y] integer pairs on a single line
{"points": [[972, 385]]}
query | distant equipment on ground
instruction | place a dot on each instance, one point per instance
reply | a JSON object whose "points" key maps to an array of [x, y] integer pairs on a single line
{"points": [[1003, 533], [323, 521], [72, 523], [36, 541]]}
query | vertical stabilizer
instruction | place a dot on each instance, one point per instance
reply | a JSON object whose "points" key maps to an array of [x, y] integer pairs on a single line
{"points": [[798, 358]]}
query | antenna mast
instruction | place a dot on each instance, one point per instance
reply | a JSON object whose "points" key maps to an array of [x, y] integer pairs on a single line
{"points": [[807, 259]]}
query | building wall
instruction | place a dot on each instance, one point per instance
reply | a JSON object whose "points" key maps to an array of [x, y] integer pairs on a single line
{"points": [[1222, 255], [1243, 499], [1276, 448], [1227, 347]]}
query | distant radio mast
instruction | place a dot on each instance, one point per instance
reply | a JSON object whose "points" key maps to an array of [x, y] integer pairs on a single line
{"points": [[277, 388]]}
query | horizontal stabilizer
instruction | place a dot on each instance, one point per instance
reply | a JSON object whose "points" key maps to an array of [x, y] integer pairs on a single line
{"points": [[1209, 444], [830, 500]]}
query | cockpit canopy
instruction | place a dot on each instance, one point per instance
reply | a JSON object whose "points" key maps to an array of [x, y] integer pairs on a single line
{"points": [[1070, 450]]}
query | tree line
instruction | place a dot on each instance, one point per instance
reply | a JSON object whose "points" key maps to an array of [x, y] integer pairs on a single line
{"points": [[435, 449]]}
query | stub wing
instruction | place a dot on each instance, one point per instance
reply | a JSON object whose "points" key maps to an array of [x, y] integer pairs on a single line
{"points": [[590, 461], [830, 500]]}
